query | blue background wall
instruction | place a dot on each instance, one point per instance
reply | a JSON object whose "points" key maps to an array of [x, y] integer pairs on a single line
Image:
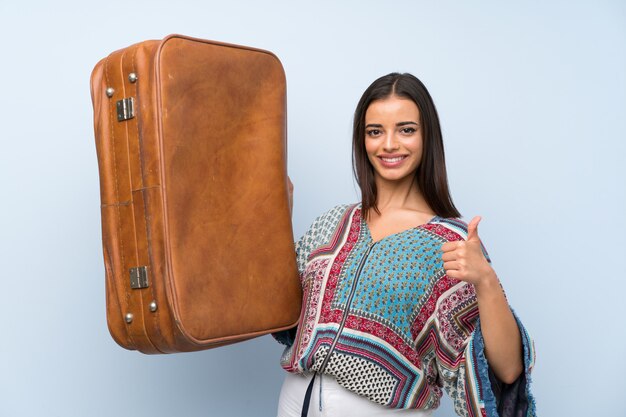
{"points": [[532, 98]]}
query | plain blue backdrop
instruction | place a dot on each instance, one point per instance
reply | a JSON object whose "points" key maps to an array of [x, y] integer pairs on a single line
{"points": [[532, 99]]}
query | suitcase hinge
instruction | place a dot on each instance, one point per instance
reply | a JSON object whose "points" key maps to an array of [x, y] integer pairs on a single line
{"points": [[139, 277], [125, 109]]}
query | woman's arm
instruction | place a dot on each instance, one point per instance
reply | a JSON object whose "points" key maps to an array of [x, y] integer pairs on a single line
{"points": [[503, 343], [464, 260]]}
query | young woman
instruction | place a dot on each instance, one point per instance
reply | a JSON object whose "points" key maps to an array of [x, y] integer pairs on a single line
{"points": [[400, 301]]}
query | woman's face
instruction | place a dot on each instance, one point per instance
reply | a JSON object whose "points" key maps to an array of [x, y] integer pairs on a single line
{"points": [[393, 137]]}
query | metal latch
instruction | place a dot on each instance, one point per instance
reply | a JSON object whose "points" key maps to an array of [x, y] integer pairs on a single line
{"points": [[139, 277], [125, 109]]}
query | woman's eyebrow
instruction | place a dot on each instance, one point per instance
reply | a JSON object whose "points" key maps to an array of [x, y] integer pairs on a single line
{"points": [[399, 124]]}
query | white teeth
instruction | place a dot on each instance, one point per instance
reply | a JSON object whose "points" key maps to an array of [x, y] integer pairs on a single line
{"points": [[392, 160]]}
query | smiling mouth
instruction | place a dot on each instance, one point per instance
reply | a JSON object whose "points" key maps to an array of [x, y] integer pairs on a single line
{"points": [[392, 160]]}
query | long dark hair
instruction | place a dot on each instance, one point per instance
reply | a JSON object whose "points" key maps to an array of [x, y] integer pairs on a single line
{"points": [[431, 175]]}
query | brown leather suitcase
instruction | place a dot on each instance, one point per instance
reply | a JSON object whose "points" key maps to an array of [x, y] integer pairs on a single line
{"points": [[196, 229]]}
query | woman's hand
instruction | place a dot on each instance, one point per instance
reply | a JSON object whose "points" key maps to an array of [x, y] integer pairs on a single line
{"points": [[464, 259], [290, 189]]}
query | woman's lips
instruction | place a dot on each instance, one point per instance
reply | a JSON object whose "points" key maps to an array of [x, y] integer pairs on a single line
{"points": [[392, 161]]}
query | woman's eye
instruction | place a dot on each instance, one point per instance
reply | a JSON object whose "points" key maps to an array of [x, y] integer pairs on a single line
{"points": [[373, 132], [408, 130]]}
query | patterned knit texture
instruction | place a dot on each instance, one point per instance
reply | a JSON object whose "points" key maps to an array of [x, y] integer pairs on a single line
{"points": [[399, 331]]}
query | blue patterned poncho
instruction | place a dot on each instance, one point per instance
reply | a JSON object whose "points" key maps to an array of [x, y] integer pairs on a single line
{"points": [[385, 320]]}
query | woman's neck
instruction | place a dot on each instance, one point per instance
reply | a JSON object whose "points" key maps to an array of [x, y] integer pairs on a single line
{"points": [[401, 194]]}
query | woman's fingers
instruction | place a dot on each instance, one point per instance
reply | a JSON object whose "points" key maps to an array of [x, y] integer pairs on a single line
{"points": [[290, 189], [463, 259], [449, 256], [452, 265], [452, 246]]}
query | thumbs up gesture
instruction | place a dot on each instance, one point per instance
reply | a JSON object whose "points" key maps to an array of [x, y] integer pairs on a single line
{"points": [[464, 259]]}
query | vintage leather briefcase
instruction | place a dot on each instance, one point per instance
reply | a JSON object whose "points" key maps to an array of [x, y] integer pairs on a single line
{"points": [[196, 230]]}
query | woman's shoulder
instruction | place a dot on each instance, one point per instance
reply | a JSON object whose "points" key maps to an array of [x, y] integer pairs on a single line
{"points": [[321, 230], [339, 210], [454, 224], [457, 221], [332, 217]]}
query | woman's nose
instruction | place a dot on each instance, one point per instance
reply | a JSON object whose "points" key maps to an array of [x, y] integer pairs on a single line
{"points": [[390, 143]]}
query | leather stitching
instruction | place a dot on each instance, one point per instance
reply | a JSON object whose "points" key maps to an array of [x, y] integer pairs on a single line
{"points": [[117, 197]]}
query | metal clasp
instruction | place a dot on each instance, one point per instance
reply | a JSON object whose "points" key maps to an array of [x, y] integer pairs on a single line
{"points": [[139, 277], [125, 109]]}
